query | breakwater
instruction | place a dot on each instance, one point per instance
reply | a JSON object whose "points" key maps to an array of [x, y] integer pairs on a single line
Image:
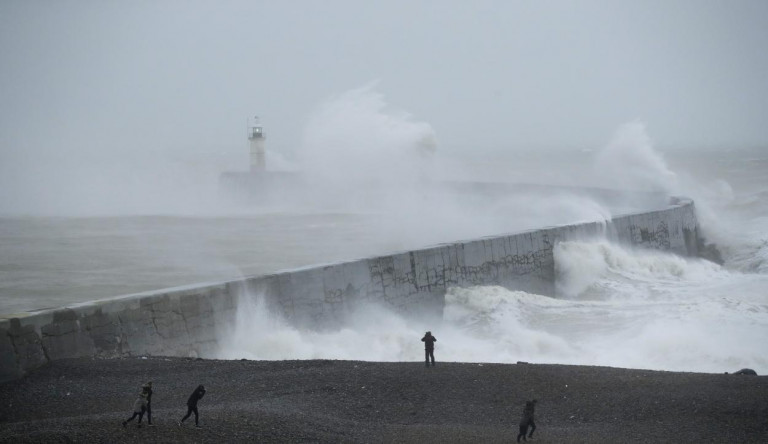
{"points": [[192, 320]]}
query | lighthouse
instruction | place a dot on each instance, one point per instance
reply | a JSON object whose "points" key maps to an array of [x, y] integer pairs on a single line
{"points": [[258, 154], [257, 184]]}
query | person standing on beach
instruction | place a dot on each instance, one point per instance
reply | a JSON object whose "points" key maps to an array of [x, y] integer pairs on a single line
{"points": [[429, 348], [148, 392], [139, 407], [192, 404]]}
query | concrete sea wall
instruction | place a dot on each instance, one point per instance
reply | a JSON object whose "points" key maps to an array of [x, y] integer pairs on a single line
{"points": [[190, 321]]}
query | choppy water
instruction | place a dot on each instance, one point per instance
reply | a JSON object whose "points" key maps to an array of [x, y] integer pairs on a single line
{"points": [[615, 306]]}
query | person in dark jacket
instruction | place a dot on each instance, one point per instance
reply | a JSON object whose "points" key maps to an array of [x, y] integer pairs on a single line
{"points": [[429, 348], [192, 404], [148, 392], [527, 420], [139, 407]]}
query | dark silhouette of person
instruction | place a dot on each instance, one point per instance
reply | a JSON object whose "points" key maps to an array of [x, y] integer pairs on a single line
{"points": [[139, 407], [192, 404], [148, 392], [527, 420], [429, 348]]}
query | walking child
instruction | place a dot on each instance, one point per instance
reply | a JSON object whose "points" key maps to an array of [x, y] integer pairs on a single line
{"points": [[139, 407]]}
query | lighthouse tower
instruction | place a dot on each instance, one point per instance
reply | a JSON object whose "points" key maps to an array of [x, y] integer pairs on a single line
{"points": [[258, 155]]}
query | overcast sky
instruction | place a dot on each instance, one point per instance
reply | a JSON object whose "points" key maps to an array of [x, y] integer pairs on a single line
{"points": [[183, 76]]}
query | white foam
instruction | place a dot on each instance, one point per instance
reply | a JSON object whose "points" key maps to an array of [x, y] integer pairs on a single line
{"points": [[630, 161], [372, 333], [581, 265], [638, 309]]}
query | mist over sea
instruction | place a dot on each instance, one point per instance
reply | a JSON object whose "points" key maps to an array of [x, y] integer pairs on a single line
{"points": [[615, 306], [375, 187]]}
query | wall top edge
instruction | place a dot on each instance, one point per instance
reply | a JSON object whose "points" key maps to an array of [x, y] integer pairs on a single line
{"points": [[134, 298]]}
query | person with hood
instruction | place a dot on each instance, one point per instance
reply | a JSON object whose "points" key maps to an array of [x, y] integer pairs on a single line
{"points": [[429, 348], [192, 404], [148, 392], [139, 407]]}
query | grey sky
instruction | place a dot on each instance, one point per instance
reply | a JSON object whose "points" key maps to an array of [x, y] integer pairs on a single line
{"points": [[137, 106], [118, 80]]}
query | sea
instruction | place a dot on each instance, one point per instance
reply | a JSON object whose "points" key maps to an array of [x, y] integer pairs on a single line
{"points": [[615, 306]]}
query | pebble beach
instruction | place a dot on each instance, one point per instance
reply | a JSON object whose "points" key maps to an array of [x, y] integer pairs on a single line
{"points": [[322, 401]]}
